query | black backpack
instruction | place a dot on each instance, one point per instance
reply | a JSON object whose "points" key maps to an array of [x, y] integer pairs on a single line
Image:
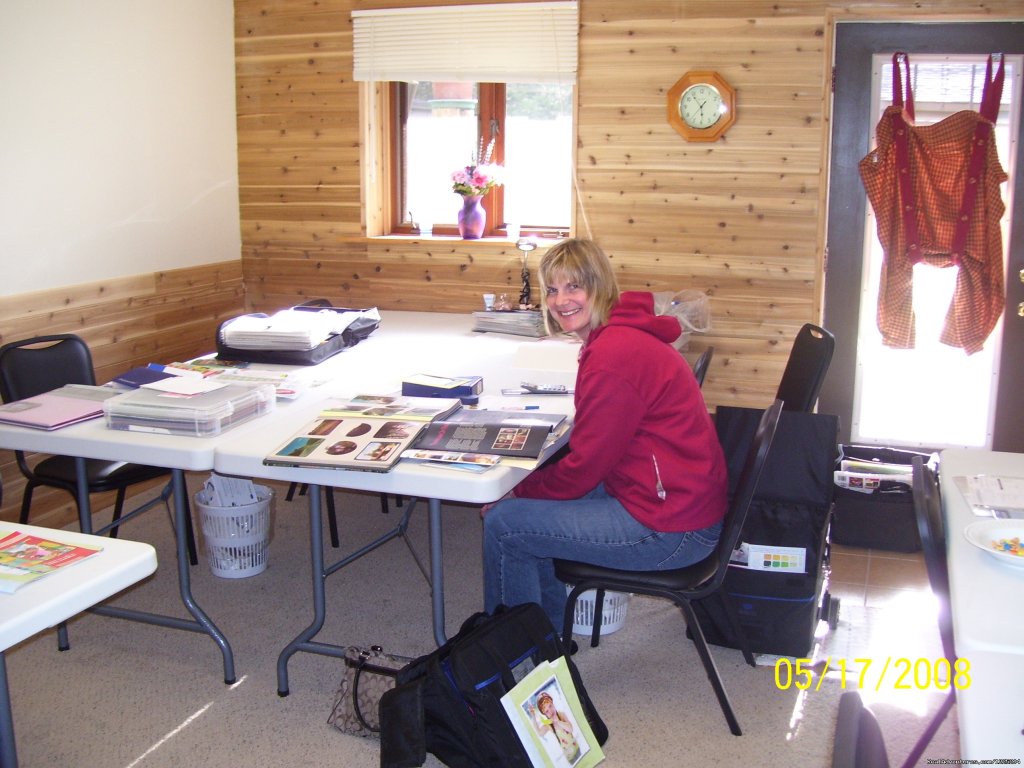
{"points": [[448, 702]]}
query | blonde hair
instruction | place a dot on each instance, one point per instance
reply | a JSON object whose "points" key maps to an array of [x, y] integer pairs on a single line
{"points": [[582, 262]]}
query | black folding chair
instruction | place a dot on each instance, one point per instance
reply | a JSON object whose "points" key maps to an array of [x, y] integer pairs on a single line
{"points": [[806, 367], [700, 367], [683, 585], [32, 366]]}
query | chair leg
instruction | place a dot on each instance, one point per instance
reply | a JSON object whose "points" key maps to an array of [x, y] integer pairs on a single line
{"points": [[332, 517], [709, 666], [26, 503], [118, 509], [929, 733], [567, 621], [384, 504], [595, 633], [291, 491]]}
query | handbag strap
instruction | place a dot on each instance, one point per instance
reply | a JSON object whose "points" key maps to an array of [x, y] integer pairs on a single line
{"points": [[355, 700]]}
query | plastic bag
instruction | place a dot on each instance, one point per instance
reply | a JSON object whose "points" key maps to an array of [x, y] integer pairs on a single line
{"points": [[690, 307]]}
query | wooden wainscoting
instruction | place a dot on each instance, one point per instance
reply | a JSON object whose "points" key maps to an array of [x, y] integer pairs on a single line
{"points": [[128, 321]]}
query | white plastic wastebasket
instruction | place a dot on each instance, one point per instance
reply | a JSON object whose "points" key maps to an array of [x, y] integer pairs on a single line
{"points": [[616, 604], [236, 538]]}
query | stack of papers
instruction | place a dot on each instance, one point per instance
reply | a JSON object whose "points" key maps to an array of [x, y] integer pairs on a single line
{"points": [[993, 495], [290, 329], [221, 491], [526, 322], [287, 329]]}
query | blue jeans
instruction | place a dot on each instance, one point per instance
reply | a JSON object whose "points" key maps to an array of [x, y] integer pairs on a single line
{"points": [[522, 536]]}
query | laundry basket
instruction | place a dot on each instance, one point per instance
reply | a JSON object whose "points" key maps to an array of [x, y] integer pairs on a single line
{"points": [[237, 537], [612, 617]]}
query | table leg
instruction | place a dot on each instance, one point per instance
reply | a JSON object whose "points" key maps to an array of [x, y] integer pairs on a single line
{"points": [[8, 749], [184, 575], [202, 622], [316, 557], [436, 570]]}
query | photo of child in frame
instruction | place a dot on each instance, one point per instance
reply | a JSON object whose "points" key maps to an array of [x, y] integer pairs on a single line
{"points": [[555, 724]]}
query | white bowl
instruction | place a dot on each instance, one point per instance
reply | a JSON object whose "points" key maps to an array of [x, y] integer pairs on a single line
{"points": [[984, 534]]}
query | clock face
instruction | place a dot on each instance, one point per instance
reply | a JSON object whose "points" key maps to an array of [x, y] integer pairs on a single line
{"points": [[701, 106]]}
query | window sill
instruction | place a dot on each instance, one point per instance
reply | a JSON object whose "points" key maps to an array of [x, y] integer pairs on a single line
{"points": [[542, 242]]}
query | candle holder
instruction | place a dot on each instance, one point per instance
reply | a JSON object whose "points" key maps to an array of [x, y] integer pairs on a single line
{"points": [[526, 245]]}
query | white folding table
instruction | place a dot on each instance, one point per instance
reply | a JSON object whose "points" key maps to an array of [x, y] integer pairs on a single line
{"points": [[60, 595], [92, 440], [988, 624], [407, 343]]}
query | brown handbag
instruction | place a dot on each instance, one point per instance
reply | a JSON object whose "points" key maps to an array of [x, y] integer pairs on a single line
{"points": [[369, 672]]}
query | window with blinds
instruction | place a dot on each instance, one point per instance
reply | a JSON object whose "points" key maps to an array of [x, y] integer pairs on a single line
{"points": [[464, 78]]}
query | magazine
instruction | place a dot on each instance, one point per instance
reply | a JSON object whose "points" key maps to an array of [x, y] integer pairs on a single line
{"points": [[24, 558], [549, 719], [471, 462], [393, 406], [504, 433]]}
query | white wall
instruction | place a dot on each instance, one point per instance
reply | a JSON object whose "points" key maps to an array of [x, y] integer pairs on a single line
{"points": [[118, 147]]}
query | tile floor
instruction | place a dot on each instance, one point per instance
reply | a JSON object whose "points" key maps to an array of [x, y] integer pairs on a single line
{"points": [[873, 577]]}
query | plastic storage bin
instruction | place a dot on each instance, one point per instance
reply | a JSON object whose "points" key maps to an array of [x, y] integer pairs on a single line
{"points": [[236, 538], [200, 415], [616, 604]]}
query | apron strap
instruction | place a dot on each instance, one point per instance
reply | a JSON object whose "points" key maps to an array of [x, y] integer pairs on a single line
{"points": [[900, 97], [991, 95]]}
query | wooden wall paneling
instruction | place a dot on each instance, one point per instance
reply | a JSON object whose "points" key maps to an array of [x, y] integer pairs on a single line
{"points": [[741, 219], [161, 317]]}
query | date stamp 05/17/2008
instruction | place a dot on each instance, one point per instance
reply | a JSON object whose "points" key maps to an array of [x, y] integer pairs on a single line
{"points": [[899, 673]]}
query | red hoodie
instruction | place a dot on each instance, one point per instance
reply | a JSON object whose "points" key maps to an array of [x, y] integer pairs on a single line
{"points": [[641, 427]]}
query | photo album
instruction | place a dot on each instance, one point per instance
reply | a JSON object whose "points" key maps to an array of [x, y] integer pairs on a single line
{"points": [[368, 432]]}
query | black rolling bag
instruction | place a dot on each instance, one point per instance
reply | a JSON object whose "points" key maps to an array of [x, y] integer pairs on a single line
{"points": [[448, 702], [778, 582]]}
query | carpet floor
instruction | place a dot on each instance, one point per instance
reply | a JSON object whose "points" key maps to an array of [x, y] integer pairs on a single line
{"points": [[128, 694]]}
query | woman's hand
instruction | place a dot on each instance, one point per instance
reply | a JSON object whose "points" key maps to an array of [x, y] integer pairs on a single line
{"points": [[487, 507]]}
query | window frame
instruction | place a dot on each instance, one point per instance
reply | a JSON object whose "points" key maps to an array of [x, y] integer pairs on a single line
{"points": [[491, 103]]}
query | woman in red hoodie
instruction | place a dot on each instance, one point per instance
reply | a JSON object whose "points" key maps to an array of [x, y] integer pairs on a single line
{"points": [[643, 485]]}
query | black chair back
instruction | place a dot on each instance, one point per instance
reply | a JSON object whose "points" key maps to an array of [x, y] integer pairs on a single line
{"points": [[32, 366], [746, 487], [858, 739], [808, 363], [700, 367], [928, 511]]}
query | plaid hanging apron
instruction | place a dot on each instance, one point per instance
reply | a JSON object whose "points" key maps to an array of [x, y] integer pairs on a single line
{"points": [[935, 191]]}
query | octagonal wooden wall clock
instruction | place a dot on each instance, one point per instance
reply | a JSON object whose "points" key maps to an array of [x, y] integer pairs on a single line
{"points": [[701, 106]]}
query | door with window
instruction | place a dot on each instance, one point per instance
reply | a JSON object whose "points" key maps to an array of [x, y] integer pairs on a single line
{"points": [[932, 396]]}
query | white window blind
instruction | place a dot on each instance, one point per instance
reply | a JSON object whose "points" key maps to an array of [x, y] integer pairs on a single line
{"points": [[497, 43]]}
